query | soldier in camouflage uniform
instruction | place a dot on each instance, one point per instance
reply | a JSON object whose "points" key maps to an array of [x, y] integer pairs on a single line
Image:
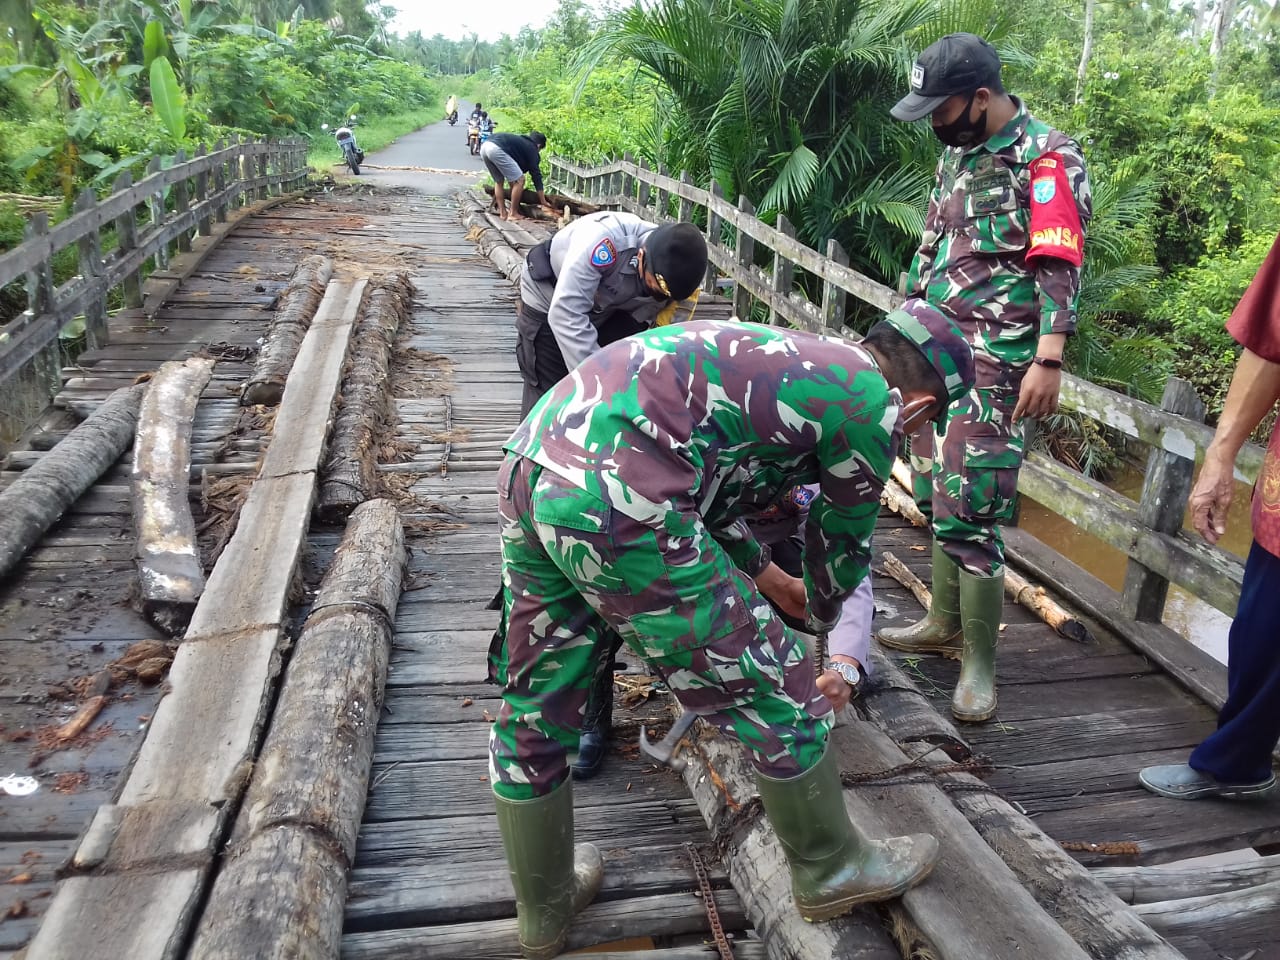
{"points": [[1001, 254], [624, 502]]}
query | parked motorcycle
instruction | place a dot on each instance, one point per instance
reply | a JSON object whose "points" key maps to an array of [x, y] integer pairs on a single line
{"points": [[352, 155], [473, 136]]}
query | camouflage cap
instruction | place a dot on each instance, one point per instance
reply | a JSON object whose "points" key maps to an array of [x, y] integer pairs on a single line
{"points": [[941, 341]]}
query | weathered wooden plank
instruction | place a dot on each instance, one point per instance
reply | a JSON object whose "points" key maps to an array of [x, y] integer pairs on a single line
{"points": [[1174, 882], [601, 922], [170, 574], [281, 888]]}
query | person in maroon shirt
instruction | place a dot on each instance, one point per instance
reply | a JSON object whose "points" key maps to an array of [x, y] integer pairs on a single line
{"points": [[1235, 761]]}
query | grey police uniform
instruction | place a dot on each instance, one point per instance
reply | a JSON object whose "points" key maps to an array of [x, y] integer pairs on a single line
{"points": [[580, 291]]}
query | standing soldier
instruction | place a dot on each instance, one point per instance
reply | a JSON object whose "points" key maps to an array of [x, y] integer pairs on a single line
{"points": [[1001, 253], [623, 502]]}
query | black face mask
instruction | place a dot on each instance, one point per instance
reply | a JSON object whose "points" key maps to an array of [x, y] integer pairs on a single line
{"points": [[963, 132]]}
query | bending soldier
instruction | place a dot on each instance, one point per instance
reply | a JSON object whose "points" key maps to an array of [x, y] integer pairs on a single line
{"points": [[1001, 254], [622, 504]]}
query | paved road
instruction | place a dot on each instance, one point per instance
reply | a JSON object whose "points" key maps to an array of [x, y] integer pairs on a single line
{"points": [[438, 146]]}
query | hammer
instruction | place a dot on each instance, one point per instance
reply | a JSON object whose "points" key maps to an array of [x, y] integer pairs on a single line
{"points": [[663, 750]]}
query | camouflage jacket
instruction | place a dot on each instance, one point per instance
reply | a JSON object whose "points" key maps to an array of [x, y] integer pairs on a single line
{"points": [[720, 420], [972, 259]]}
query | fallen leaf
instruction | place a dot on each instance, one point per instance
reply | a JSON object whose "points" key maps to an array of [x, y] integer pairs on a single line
{"points": [[467, 701], [1002, 627], [19, 909], [488, 716], [920, 548], [20, 878]]}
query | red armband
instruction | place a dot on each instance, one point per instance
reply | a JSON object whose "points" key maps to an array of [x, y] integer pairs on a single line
{"points": [[1055, 219]]}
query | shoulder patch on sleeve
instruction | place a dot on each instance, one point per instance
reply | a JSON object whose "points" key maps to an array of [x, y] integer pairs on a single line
{"points": [[801, 496], [603, 254]]}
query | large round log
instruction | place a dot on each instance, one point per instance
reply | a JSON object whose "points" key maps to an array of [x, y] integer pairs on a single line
{"points": [[489, 239], [349, 475], [170, 575], [296, 307], [281, 889], [34, 502]]}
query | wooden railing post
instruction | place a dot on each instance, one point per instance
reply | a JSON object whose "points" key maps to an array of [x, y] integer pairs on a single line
{"points": [[264, 190], [664, 197], [833, 296], [182, 202], [39, 278], [714, 227], [646, 190], [205, 223], [220, 183], [89, 248], [155, 204], [1164, 502], [127, 241], [783, 273], [686, 205], [628, 185], [744, 252]]}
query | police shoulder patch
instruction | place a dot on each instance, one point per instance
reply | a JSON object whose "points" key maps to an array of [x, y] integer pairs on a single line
{"points": [[604, 254], [801, 496], [1044, 189]]}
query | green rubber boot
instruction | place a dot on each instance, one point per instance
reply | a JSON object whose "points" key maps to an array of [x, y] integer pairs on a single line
{"points": [[833, 867], [939, 631], [981, 603], [553, 878]]}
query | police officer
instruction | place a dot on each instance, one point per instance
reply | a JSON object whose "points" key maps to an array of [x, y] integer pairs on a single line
{"points": [[1001, 254], [603, 277]]}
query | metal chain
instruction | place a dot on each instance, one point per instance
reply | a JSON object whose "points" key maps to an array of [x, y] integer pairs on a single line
{"points": [[723, 946]]}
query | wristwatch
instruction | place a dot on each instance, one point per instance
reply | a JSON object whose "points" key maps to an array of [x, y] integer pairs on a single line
{"points": [[1047, 362], [849, 674]]}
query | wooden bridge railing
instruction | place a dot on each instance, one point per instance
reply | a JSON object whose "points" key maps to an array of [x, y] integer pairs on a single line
{"points": [[144, 224], [1148, 531]]}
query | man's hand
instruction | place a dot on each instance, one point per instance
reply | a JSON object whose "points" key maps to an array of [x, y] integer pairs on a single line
{"points": [[783, 589], [1211, 498], [1038, 396], [834, 687]]}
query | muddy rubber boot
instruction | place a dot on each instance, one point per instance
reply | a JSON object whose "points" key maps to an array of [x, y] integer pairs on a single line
{"points": [[939, 631], [553, 878], [981, 603], [834, 867]]}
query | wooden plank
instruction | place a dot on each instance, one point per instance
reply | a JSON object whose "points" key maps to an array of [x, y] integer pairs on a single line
{"points": [[602, 922]]}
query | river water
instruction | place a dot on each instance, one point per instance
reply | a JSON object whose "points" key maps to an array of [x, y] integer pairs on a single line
{"points": [[1198, 622]]}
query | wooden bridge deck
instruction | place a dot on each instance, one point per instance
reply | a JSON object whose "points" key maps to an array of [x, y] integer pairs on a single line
{"points": [[1075, 721]]}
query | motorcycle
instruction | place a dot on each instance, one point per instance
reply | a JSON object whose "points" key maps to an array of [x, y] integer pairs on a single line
{"points": [[352, 155], [473, 136], [452, 118], [486, 131]]}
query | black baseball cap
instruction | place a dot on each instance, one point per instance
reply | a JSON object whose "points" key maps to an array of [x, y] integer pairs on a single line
{"points": [[677, 255], [958, 63]]}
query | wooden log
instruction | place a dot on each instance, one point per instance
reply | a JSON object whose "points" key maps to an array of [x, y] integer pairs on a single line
{"points": [[170, 575], [33, 503], [1153, 884], [298, 304], [1102, 924], [282, 887], [576, 207], [140, 873], [946, 907], [1253, 908], [723, 784], [350, 472], [902, 711], [491, 243]]}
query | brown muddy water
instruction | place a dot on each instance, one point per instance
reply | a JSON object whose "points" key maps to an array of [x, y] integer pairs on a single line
{"points": [[1200, 623]]}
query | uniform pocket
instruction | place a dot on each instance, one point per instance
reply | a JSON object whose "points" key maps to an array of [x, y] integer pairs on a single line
{"points": [[989, 480], [1003, 232], [692, 623]]}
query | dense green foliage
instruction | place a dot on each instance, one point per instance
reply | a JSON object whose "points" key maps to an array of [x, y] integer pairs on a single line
{"points": [[786, 102]]}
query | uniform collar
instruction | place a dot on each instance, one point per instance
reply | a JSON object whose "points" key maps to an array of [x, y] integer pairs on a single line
{"points": [[1007, 135]]}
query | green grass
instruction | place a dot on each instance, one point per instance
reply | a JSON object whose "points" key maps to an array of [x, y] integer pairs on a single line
{"points": [[372, 134]]}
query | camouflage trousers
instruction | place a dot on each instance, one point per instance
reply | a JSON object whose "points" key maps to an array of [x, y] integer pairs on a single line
{"points": [[966, 480], [573, 567]]}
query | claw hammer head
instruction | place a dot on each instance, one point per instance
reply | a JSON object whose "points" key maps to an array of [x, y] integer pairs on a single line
{"points": [[663, 751]]}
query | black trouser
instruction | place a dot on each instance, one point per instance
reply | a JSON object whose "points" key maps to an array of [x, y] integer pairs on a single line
{"points": [[538, 355]]}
